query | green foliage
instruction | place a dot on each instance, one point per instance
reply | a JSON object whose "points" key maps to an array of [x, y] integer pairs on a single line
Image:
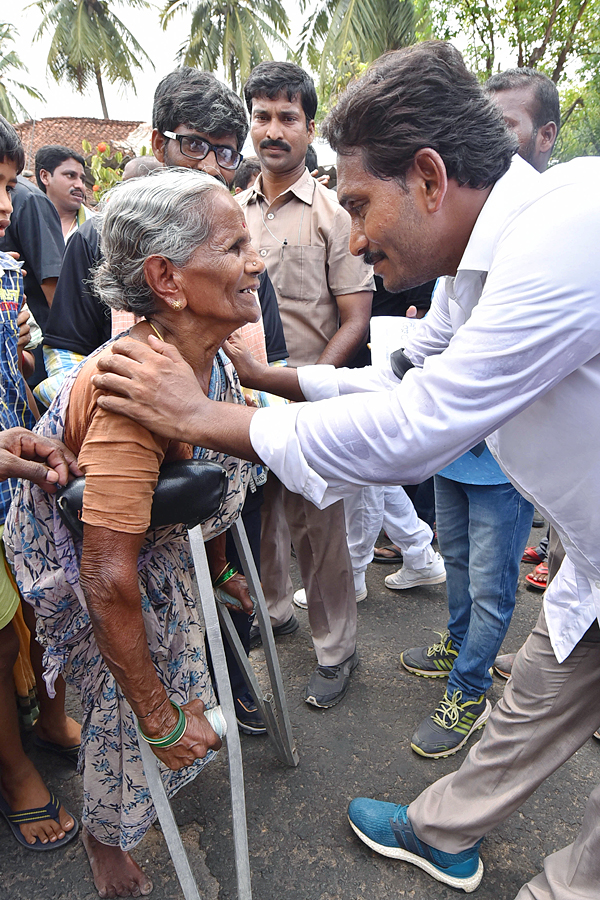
{"points": [[89, 42], [234, 33], [580, 134], [10, 105], [559, 37], [338, 30], [348, 67], [106, 167], [544, 34]]}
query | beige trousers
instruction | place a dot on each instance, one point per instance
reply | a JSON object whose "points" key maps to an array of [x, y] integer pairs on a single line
{"points": [[547, 712], [319, 539]]}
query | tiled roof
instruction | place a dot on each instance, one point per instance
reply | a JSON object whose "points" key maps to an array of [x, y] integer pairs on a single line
{"points": [[70, 132]]}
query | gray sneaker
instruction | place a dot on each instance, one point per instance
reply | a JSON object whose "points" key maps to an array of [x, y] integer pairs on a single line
{"points": [[435, 661], [328, 684]]}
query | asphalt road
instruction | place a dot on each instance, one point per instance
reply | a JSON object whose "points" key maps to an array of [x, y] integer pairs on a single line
{"points": [[301, 846]]}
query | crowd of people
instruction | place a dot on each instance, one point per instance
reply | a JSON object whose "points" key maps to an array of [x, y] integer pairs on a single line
{"points": [[208, 278]]}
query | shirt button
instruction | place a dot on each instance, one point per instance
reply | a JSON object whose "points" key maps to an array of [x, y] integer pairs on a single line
{"points": [[598, 584], [270, 216], [263, 252]]}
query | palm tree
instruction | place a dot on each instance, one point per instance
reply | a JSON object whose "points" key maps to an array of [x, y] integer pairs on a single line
{"points": [[10, 106], [89, 42], [231, 32], [366, 28]]}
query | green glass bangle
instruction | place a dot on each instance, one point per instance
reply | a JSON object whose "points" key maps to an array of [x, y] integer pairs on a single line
{"points": [[225, 576], [169, 739]]}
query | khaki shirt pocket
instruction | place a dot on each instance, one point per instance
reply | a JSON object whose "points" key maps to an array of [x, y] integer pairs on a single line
{"points": [[302, 273]]}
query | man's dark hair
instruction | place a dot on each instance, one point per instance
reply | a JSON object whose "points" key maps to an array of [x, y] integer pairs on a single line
{"points": [[271, 79], [190, 97], [248, 168], [11, 147], [311, 160], [422, 96], [50, 157], [546, 103]]}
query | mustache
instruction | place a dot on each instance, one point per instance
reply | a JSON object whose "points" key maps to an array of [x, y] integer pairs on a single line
{"points": [[275, 145], [371, 258]]}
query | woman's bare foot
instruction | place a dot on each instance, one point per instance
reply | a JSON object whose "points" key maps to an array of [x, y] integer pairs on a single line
{"points": [[23, 789], [115, 873], [61, 730]]}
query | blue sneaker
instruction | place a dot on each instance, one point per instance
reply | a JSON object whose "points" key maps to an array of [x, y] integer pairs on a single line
{"points": [[385, 828]]}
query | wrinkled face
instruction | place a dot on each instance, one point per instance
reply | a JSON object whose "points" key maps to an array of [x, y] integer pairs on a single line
{"points": [[168, 151], [279, 133], [516, 109], [8, 181], [66, 185], [388, 228], [221, 279]]}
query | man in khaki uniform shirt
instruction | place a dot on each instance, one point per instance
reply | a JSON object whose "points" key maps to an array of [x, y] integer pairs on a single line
{"points": [[324, 296]]}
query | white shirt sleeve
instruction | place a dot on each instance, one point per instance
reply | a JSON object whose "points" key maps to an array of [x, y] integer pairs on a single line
{"points": [[537, 320], [324, 382], [435, 329]]}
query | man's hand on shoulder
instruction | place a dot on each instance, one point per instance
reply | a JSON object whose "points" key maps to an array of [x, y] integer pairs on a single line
{"points": [[152, 384]]}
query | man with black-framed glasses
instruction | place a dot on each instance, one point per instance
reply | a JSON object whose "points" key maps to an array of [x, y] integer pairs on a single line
{"points": [[199, 123]]}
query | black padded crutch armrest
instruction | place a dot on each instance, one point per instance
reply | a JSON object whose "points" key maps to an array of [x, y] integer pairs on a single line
{"points": [[188, 492]]}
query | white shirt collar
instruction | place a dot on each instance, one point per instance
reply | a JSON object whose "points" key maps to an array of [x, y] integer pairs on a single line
{"points": [[506, 197]]}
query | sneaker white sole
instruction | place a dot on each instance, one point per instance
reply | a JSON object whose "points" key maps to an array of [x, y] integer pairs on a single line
{"points": [[435, 579], [302, 604], [464, 884], [478, 723]]}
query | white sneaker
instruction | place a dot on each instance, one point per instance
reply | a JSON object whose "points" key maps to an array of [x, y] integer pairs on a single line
{"points": [[433, 573], [300, 597]]}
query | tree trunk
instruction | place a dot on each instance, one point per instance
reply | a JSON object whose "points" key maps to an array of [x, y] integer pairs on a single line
{"points": [[101, 92]]}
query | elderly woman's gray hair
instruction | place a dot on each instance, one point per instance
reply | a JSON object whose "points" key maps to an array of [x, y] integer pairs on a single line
{"points": [[168, 213]]}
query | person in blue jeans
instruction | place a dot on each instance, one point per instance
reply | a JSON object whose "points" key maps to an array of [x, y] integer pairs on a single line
{"points": [[482, 524]]}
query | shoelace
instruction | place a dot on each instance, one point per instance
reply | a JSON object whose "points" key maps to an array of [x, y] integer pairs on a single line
{"points": [[328, 671], [401, 813], [441, 646], [448, 712]]}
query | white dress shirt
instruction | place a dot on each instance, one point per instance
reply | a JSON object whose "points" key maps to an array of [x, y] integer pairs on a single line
{"points": [[509, 352]]}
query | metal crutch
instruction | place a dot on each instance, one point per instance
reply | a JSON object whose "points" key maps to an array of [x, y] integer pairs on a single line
{"points": [[273, 706]]}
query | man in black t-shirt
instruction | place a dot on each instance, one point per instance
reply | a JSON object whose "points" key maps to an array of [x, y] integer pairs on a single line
{"points": [[35, 234]]}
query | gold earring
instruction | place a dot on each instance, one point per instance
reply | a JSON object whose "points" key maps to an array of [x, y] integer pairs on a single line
{"points": [[176, 304]]}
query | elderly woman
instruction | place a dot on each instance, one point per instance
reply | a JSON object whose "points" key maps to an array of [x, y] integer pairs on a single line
{"points": [[117, 615]]}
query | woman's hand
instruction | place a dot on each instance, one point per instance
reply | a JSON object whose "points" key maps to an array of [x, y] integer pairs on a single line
{"points": [[237, 587], [248, 368], [43, 460], [198, 739]]}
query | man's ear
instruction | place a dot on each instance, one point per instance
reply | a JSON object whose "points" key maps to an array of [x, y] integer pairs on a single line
{"points": [[431, 178], [45, 176], [311, 131], [547, 136], [164, 280], [159, 142]]}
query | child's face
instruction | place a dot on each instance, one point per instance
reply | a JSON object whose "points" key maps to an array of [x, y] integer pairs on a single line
{"points": [[8, 180]]}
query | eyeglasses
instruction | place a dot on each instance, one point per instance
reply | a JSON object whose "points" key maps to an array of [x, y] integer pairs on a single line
{"points": [[195, 147]]}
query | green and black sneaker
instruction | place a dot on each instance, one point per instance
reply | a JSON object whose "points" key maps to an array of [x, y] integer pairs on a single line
{"points": [[435, 661], [448, 728]]}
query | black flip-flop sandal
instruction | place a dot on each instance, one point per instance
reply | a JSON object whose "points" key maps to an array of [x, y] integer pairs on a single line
{"points": [[395, 558], [68, 754], [29, 816]]}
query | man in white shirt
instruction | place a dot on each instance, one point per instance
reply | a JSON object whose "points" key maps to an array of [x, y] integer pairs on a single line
{"points": [[512, 344]]}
